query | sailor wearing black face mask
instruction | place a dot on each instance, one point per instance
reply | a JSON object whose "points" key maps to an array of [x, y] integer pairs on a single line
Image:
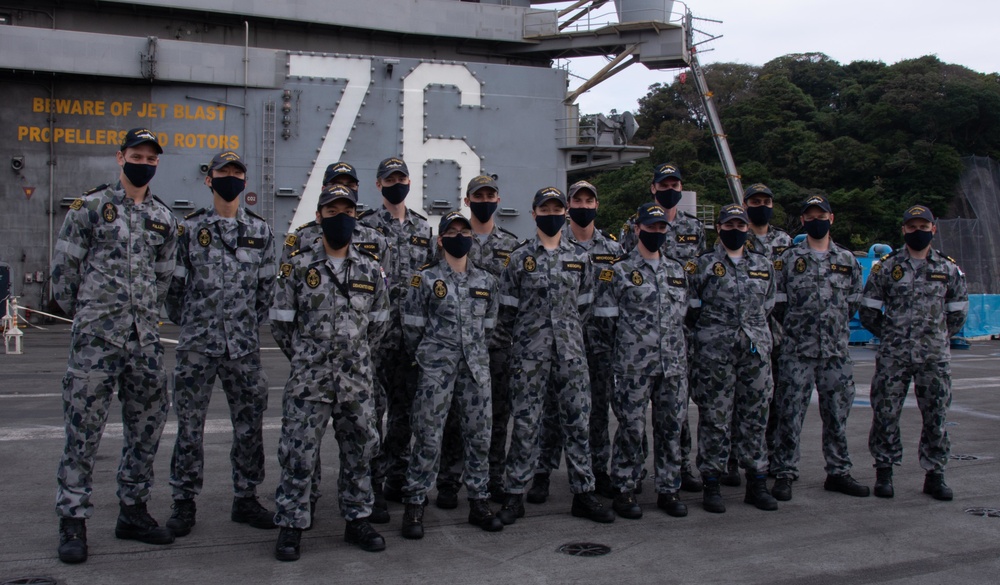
{"points": [[448, 320], [685, 233], [819, 290], [685, 240], [220, 294], [731, 294], [545, 295], [410, 238], [758, 200], [603, 250], [915, 300], [491, 245]]}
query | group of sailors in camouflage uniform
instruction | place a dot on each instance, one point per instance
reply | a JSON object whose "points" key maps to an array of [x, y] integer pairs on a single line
{"points": [[452, 339]]}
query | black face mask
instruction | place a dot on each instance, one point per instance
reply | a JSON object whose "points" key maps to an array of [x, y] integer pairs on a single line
{"points": [[457, 246], [817, 228], [229, 187], [760, 215], [652, 241], [337, 230], [483, 210], [733, 239], [138, 174], [669, 198], [582, 217], [396, 193], [918, 240], [550, 224]]}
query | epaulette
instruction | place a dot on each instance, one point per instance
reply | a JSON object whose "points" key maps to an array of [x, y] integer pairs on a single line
{"points": [[252, 214], [508, 232], [306, 225], [609, 236], [480, 267], [428, 265], [372, 255], [521, 244], [364, 214], [295, 253], [578, 244], [950, 259], [155, 198], [417, 214], [889, 255], [703, 252], [753, 251], [690, 215], [95, 190], [196, 213]]}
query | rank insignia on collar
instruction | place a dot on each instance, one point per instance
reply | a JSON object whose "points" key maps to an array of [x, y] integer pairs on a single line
{"points": [[312, 278], [204, 237], [110, 212]]}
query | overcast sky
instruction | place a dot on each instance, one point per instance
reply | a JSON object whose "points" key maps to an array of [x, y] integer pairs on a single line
{"points": [[962, 32]]}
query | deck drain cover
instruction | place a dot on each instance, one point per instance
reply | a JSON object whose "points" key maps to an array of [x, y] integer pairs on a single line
{"points": [[964, 457], [584, 549], [984, 512], [30, 581]]}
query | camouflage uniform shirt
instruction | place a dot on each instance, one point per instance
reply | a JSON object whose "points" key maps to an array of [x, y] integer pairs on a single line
{"points": [[771, 244], [112, 265], [685, 237], [223, 284], [491, 255]]}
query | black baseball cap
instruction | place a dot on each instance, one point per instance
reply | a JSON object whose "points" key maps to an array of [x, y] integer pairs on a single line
{"points": [[918, 212], [481, 182], [339, 168], [224, 158], [666, 171], [650, 213], [391, 165], [450, 218], [732, 211], [137, 136], [332, 193], [547, 194], [757, 189], [581, 185], [818, 201]]}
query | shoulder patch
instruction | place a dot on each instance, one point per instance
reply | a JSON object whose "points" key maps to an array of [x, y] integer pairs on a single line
{"points": [[428, 265], [252, 214], [418, 215], [180, 229], [690, 267], [305, 225], [606, 275], [415, 281], [779, 264], [286, 270], [291, 240], [609, 236], [363, 214], [876, 268], [95, 190], [195, 213], [76, 205], [508, 232], [364, 252]]}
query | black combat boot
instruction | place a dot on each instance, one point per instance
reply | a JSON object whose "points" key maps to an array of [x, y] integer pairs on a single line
{"points": [[845, 484], [135, 523], [539, 491], [757, 493], [513, 508], [447, 496], [883, 482], [690, 482], [935, 486], [670, 502], [480, 515], [249, 511], [586, 505], [626, 506], [380, 509], [603, 485], [732, 475], [182, 520], [361, 533], [413, 521], [711, 499], [495, 486], [782, 490], [287, 547], [72, 540]]}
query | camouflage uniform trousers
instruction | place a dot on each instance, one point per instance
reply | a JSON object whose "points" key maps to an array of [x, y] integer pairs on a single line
{"points": [[396, 374], [740, 388], [669, 396], [452, 449], [443, 394], [530, 384], [773, 411], [602, 382], [96, 371], [245, 385], [302, 427], [833, 378], [932, 387]]}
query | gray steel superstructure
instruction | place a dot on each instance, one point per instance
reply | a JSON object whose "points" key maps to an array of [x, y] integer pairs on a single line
{"points": [[455, 88]]}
